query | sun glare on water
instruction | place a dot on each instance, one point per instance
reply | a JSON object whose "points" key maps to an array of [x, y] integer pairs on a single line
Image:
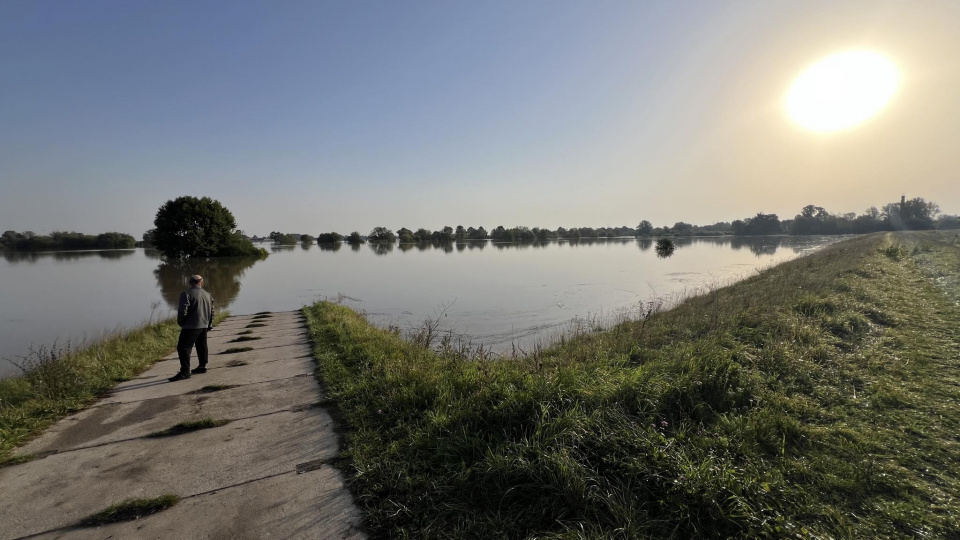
{"points": [[841, 91]]}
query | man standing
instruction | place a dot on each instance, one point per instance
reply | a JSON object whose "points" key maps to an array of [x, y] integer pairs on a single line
{"points": [[195, 317]]}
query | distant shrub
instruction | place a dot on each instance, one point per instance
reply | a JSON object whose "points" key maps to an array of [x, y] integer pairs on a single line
{"points": [[355, 238], [329, 238]]}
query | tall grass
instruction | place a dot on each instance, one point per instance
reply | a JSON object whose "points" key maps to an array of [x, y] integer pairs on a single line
{"points": [[816, 399], [61, 380]]}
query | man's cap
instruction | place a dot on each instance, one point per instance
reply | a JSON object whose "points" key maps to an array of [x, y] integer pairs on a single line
{"points": [[196, 278]]}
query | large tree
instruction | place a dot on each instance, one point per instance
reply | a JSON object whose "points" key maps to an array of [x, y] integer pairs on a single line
{"points": [[381, 235], [913, 214], [192, 227], [645, 228]]}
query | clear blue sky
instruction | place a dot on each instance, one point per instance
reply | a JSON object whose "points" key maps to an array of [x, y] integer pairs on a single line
{"points": [[309, 116]]}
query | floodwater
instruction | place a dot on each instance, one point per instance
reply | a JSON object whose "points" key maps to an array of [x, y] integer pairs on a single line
{"points": [[498, 295]]}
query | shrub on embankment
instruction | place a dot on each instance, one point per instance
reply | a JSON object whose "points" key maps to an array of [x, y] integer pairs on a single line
{"points": [[60, 380], [817, 399]]}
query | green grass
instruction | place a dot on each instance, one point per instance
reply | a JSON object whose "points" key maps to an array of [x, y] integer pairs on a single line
{"points": [[255, 325], [63, 380], [16, 460], [244, 338], [189, 427], [130, 510], [233, 350], [817, 399]]}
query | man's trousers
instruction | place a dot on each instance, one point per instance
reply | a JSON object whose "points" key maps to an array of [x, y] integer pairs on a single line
{"points": [[189, 338]]}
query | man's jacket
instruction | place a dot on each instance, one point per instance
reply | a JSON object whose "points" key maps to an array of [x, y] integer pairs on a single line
{"points": [[195, 310]]}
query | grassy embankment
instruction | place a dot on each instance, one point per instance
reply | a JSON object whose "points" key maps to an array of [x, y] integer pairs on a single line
{"points": [[62, 382], [817, 399]]}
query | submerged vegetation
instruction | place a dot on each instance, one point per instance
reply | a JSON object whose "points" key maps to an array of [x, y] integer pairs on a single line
{"points": [[665, 247], [63, 240], [816, 399]]}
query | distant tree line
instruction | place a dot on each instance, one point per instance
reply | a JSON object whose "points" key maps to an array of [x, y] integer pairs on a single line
{"points": [[913, 214], [63, 240]]}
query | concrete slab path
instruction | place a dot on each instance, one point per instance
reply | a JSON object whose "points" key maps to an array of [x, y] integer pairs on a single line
{"points": [[264, 474]]}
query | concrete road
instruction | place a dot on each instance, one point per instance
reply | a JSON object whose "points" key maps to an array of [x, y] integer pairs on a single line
{"points": [[264, 474]]}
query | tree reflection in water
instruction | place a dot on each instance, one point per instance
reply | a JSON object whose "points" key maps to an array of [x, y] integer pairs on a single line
{"points": [[221, 278], [381, 248], [758, 245]]}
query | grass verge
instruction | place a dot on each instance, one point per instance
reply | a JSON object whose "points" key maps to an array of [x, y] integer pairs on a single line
{"points": [[189, 427], [817, 399], [16, 460], [129, 510], [62, 381]]}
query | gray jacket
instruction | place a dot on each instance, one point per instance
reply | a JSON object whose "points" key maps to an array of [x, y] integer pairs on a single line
{"points": [[195, 310]]}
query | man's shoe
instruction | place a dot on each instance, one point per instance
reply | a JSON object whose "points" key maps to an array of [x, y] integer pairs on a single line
{"points": [[179, 377], [199, 370]]}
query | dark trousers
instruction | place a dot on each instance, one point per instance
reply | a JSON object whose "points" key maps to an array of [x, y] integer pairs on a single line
{"points": [[189, 338]]}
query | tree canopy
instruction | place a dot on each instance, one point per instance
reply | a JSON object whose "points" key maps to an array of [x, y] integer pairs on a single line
{"points": [[198, 227], [381, 235]]}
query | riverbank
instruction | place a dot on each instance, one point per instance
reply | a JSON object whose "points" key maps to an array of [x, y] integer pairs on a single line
{"points": [[61, 381], [819, 398]]}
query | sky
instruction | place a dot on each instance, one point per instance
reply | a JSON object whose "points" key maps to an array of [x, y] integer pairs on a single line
{"points": [[314, 116]]}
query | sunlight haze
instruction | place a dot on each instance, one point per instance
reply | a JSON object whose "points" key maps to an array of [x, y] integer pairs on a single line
{"points": [[842, 90], [308, 116]]}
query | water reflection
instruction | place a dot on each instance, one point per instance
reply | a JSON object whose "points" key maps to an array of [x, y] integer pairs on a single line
{"points": [[498, 299], [381, 248], [34, 256], [221, 278], [306, 245]]}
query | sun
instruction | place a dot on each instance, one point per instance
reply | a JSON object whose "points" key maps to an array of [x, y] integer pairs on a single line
{"points": [[842, 91]]}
